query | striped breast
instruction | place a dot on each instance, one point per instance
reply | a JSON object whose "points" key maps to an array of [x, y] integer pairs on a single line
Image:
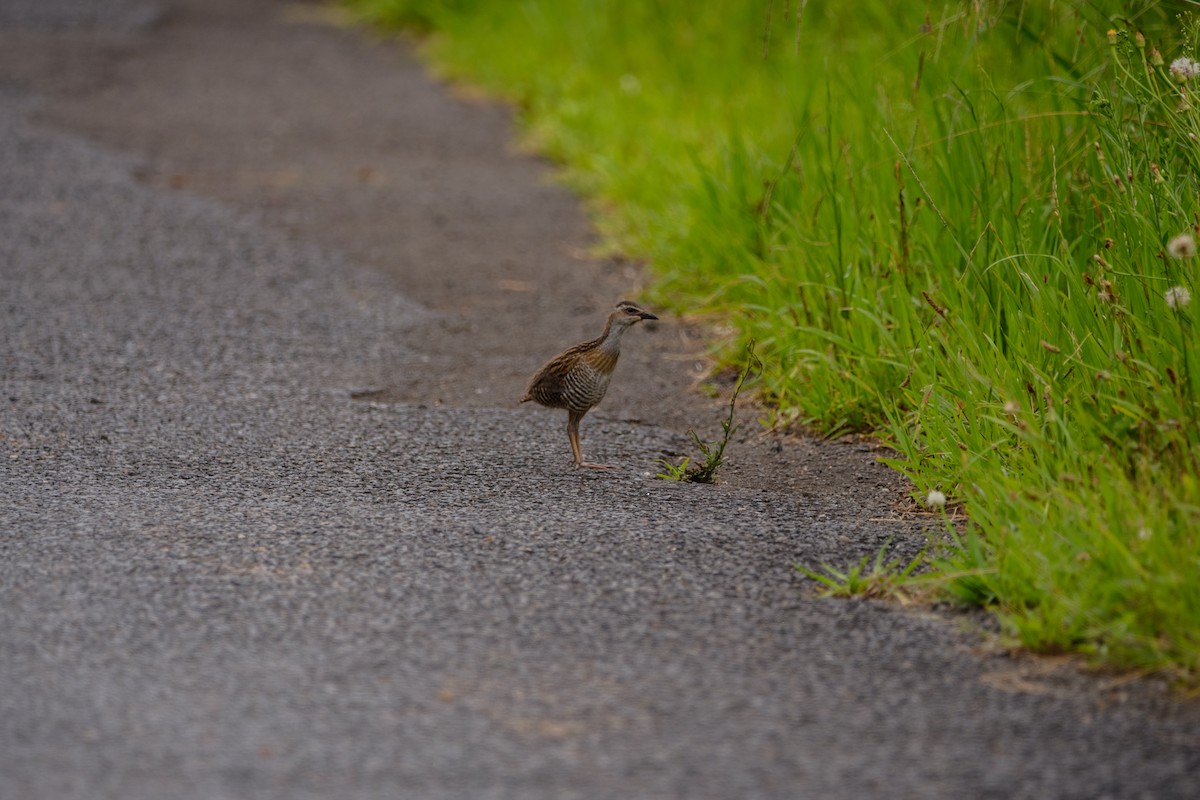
{"points": [[584, 385], [576, 380]]}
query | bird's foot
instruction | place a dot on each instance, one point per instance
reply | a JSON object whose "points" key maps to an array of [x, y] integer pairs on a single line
{"points": [[590, 465]]}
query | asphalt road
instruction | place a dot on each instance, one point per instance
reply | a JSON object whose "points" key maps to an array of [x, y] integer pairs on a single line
{"points": [[272, 524]]}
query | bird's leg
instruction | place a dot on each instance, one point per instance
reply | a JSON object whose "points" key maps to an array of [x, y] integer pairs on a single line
{"points": [[573, 418], [573, 434]]}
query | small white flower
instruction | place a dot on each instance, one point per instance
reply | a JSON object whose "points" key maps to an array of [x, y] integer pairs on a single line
{"points": [[1182, 246], [1177, 297], [935, 499], [1184, 69]]}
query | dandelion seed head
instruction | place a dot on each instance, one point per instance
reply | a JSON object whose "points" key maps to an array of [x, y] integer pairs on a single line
{"points": [[935, 499], [1144, 534], [1182, 246], [1183, 69], [1177, 298], [630, 84]]}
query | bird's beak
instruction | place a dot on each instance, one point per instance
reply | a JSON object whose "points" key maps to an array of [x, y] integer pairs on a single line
{"points": [[648, 315]]}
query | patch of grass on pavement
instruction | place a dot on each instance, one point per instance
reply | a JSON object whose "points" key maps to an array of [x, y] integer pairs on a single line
{"points": [[705, 469], [969, 230], [873, 577]]}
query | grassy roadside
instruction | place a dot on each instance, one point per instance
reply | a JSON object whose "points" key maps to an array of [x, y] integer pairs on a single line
{"points": [[960, 230]]}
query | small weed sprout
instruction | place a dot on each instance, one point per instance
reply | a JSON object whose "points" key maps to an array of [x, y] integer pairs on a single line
{"points": [[873, 577], [713, 453]]}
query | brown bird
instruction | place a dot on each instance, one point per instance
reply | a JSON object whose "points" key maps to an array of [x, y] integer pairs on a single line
{"points": [[578, 378]]}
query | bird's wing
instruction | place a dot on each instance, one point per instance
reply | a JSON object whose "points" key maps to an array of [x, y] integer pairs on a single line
{"points": [[548, 385]]}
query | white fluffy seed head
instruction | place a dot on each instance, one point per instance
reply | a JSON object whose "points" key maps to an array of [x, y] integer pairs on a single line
{"points": [[1177, 298], [1183, 69], [935, 499], [1182, 246]]}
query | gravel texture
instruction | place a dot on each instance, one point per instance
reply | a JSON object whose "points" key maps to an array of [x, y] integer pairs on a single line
{"points": [[273, 525]]}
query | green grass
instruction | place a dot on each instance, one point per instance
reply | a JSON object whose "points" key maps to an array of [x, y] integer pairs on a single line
{"points": [[947, 230], [873, 577]]}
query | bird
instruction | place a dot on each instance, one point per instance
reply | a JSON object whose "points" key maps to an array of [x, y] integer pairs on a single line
{"points": [[577, 378]]}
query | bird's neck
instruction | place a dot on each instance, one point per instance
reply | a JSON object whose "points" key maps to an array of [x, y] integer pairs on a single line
{"points": [[610, 340]]}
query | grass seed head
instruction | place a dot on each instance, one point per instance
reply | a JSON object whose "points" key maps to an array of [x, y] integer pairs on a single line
{"points": [[1106, 293]]}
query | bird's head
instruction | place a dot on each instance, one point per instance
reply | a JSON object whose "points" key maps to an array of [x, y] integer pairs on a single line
{"points": [[628, 313]]}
